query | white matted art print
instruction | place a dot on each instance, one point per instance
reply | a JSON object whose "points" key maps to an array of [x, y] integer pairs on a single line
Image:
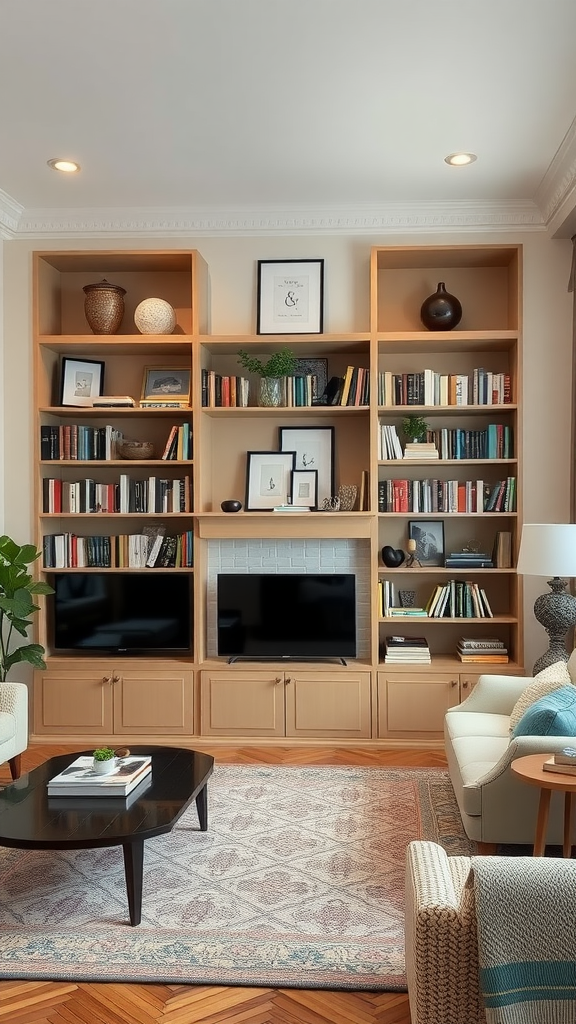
{"points": [[268, 479], [290, 297], [314, 447]]}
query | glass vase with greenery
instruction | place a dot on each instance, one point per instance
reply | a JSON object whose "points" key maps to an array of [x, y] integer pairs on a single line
{"points": [[279, 365], [17, 607]]}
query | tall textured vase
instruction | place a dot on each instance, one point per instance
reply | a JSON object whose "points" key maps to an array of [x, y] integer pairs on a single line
{"points": [[271, 391], [104, 306]]}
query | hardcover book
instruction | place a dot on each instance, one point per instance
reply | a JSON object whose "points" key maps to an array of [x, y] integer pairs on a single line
{"points": [[80, 779]]}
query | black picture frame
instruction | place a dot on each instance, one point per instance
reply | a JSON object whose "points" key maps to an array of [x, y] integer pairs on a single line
{"points": [[81, 380], [314, 447], [275, 467], [304, 488], [429, 537], [290, 297]]}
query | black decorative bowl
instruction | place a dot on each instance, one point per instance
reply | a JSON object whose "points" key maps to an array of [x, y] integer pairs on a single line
{"points": [[231, 505]]}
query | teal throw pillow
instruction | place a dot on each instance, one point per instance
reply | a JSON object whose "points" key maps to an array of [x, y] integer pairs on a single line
{"points": [[552, 715]]}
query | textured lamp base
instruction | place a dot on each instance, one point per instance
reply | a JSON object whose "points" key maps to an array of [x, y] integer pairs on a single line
{"points": [[557, 613]]}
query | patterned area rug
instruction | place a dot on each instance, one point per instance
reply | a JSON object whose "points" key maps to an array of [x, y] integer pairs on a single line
{"points": [[298, 883]]}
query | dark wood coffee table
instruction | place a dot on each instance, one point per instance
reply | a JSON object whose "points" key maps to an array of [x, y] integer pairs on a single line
{"points": [[31, 820]]}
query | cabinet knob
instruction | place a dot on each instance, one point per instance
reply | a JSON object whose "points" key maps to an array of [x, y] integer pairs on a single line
{"points": [[453, 682], [465, 685], [278, 680], [106, 679], [288, 679], [115, 678]]}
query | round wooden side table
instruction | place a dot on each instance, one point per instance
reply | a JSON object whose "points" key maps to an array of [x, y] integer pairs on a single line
{"points": [[529, 769]]}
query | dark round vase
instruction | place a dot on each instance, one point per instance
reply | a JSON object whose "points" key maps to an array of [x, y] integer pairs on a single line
{"points": [[231, 505], [441, 311]]}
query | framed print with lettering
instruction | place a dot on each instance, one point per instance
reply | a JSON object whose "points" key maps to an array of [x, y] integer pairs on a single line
{"points": [[268, 480], [314, 447], [290, 297]]}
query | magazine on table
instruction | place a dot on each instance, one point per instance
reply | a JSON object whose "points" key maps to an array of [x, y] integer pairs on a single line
{"points": [[80, 779], [106, 801]]}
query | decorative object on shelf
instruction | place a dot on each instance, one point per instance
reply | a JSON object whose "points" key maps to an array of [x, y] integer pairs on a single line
{"points": [[441, 311], [268, 479], [81, 380], [392, 557], [347, 494], [122, 751], [304, 490], [407, 598], [429, 537], [104, 760], [128, 449], [279, 365], [231, 505], [104, 306], [155, 316], [411, 548], [166, 386], [314, 447], [549, 549], [17, 592], [415, 428], [331, 505], [290, 297], [271, 392]]}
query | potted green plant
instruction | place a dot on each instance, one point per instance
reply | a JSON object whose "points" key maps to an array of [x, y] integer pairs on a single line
{"points": [[280, 364], [415, 428], [104, 760], [17, 588]]}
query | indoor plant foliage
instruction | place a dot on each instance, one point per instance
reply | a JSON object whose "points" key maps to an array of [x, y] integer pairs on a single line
{"points": [[103, 754], [415, 428], [281, 364], [17, 606]]}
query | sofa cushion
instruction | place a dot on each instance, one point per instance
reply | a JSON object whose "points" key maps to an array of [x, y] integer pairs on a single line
{"points": [[476, 723], [474, 758], [549, 679], [552, 715]]}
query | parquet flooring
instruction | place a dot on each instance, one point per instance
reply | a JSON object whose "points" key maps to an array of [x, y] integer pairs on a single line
{"points": [[71, 1003]]}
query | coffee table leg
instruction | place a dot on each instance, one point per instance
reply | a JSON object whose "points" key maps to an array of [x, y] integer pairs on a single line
{"points": [[202, 808], [567, 848], [542, 822], [133, 870]]}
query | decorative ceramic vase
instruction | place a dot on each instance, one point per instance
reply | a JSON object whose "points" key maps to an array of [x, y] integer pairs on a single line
{"points": [[231, 505], [407, 598], [104, 767], [104, 306], [135, 449], [392, 557], [270, 391], [441, 311], [347, 494], [155, 316], [331, 505]]}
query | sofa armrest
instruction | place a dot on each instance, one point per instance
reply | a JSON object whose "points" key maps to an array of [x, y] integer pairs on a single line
{"points": [[521, 746], [14, 701], [441, 943], [494, 694]]}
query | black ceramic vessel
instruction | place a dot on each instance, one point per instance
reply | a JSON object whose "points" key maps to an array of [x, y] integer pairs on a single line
{"points": [[231, 505], [392, 557], [441, 311]]}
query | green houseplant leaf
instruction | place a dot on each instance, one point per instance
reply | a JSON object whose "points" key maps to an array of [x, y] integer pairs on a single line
{"points": [[17, 607], [280, 364]]}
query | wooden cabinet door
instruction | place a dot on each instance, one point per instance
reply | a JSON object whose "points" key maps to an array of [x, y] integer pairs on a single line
{"points": [[413, 705], [327, 704], [73, 703], [242, 703], [467, 683], [153, 702]]}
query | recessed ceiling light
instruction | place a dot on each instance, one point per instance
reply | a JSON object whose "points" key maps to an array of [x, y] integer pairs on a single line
{"points": [[460, 159], [68, 166]]}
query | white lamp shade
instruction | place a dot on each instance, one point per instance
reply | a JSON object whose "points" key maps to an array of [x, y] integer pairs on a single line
{"points": [[547, 549]]}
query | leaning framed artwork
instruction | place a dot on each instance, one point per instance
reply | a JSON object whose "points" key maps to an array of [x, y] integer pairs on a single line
{"points": [[268, 480], [429, 537], [290, 297], [81, 380], [305, 488], [314, 447], [163, 385]]}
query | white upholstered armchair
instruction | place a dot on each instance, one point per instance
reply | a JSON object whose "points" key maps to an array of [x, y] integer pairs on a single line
{"points": [[13, 724]]}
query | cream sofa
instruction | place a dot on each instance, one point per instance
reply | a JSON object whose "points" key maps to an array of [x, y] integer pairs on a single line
{"points": [[13, 724], [495, 806]]}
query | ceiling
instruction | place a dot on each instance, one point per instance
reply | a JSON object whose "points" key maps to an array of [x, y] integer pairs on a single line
{"points": [[238, 115]]}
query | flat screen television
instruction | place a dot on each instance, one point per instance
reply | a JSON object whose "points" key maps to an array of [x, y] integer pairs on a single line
{"points": [[124, 613], [292, 616]]}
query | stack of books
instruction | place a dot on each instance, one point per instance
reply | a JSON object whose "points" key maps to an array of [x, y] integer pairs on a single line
{"points": [[469, 560], [563, 762], [482, 649], [80, 779], [400, 650], [420, 450]]}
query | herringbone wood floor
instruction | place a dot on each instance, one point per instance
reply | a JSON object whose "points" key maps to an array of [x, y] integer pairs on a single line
{"points": [[72, 1003]]}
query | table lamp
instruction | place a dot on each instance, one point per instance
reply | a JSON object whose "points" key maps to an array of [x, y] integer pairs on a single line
{"points": [[549, 549]]}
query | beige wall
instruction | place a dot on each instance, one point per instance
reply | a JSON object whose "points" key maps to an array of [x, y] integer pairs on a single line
{"points": [[232, 263]]}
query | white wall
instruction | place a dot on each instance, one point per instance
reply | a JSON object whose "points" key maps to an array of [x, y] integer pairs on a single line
{"points": [[232, 263]]}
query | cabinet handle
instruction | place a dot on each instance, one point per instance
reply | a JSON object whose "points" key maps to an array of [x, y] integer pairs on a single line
{"points": [[115, 678], [106, 679], [278, 680], [453, 683], [465, 685], [288, 679]]}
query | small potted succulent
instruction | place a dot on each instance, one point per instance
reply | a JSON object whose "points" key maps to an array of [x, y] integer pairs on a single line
{"points": [[104, 760], [280, 364]]}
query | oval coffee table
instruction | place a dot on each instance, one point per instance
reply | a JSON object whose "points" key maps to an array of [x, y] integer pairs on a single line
{"points": [[31, 820], [529, 769]]}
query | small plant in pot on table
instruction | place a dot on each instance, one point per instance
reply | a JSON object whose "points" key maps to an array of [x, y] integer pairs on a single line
{"points": [[104, 760]]}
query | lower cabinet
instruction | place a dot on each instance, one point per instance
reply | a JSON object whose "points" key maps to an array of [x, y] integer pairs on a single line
{"points": [[277, 703], [412, 705], [100, 698]]}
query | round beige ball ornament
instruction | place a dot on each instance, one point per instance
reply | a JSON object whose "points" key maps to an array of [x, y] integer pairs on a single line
{"points": [[154, 316]]}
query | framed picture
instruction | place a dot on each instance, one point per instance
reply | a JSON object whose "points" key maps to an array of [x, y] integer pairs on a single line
{"points": [[290, 297], [268, 479], [429, 537], [314, 447], [81, 380], [166, 385], [318, 370], [305, 488]]}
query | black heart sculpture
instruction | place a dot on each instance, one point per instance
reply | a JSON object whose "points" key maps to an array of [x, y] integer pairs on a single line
{"points": [[392, 557]]}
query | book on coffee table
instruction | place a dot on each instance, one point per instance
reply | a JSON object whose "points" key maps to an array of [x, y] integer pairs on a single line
{"points": [[562, 769], [80, 779]]}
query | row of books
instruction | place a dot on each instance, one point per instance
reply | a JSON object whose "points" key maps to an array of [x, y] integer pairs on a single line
{"points": [[355, 387], [154, 494], [482, 650], [428, 387], [458, 599], [179, 444], [122, 551], [79, 441], [446, 496], [399, 650], [493, 442], [219, 390]]}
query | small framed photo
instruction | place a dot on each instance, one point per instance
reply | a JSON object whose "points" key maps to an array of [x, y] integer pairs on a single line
{"points": [[268, 480], [305, 488], [81, 380], [166, 385], [429, 537], [290, 297], [314, 447]]}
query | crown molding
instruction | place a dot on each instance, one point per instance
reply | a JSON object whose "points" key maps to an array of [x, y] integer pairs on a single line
{"points": [[556, 193], [391, 218], [10, 214]]}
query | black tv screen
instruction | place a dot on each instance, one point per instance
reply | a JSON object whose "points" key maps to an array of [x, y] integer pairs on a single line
{"points": [[128, 613], [272, 616]]}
